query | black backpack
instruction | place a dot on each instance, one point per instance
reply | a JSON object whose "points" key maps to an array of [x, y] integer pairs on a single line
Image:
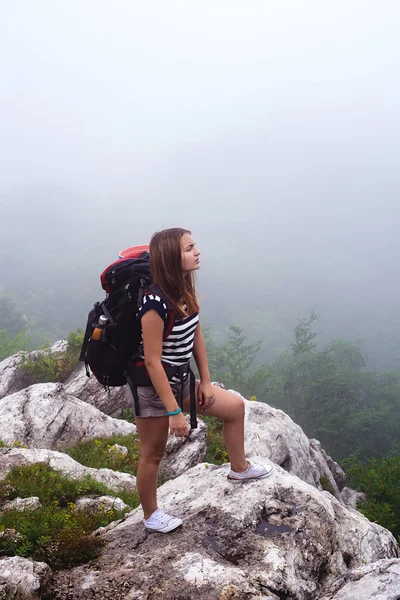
{"points": [[112, 357], [125, 282]]}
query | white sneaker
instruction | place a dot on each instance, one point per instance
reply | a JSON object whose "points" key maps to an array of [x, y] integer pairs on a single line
{"points": [[162, 522], [253, 471]]}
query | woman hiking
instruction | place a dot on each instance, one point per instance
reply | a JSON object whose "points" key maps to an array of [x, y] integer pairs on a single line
{"points": [[174, 259]]}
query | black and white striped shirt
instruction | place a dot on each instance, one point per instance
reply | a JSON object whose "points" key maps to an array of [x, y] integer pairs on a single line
{"points": [[177, 348]]}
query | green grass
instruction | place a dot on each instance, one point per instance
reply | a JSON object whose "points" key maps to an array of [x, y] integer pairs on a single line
{"points": [[57, 533], [98, 453]]}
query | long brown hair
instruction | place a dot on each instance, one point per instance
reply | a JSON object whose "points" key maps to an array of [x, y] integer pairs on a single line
{"points": [[166, 270]]}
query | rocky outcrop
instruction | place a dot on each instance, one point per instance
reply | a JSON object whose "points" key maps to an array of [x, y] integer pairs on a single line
{"points": [[12, 377], [295, 535], [377, 581], [270, 433], [46, 416], [22, 578], [352, 497], [275, 538], [14, 457], [88, 389]]}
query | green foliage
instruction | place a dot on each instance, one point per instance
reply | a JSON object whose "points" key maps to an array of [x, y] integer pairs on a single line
{"points": [[128, 415], [231, 363], [11, 317], [303, 335], [57, 533], [99, 454], [45, 366], [327, 391], [379, 480], [216, 452], [326, 485], [12, 343], [46, 483]]}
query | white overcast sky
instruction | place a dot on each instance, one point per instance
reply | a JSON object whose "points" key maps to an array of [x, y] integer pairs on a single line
{"points": [[270, 128], [279, 120], [98, 90]]}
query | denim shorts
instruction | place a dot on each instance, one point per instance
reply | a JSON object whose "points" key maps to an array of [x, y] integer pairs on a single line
{"points": [[150, 403]]}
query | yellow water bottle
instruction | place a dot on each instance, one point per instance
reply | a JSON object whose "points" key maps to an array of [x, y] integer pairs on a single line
{"points": [[97, 331]]}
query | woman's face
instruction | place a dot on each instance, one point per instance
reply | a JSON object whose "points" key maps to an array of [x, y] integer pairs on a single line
{"points": [[190, 254]]}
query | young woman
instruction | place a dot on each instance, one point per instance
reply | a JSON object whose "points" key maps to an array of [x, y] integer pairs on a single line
{"points": [[174, 259]]}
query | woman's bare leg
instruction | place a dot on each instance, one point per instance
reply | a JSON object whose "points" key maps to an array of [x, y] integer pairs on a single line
{"points": [[230, 409], [153, 434]]}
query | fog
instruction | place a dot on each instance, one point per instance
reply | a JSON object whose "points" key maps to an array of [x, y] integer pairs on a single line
{"points": [[271, 130]]}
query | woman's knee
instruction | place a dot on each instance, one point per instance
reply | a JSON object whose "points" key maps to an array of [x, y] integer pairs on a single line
{"points": [[238, 406], [151, 457], [228, 406]]}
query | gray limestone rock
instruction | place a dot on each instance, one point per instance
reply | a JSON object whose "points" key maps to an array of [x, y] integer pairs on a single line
{"points": [[183, 453], [379, 580], [22, 578], [22, 504], [88, 389], [46, 416], [103, 503], [271, 433], [274, 538]]}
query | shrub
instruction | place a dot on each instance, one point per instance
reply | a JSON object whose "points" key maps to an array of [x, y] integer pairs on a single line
{"points": [[379, 480], [47, 366], [57, 533], [326, 485]]}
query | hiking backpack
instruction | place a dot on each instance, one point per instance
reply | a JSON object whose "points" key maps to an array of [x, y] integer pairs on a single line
{"points": [[124, 281]]}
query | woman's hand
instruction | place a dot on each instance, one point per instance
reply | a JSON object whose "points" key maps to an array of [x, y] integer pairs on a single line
{"points": [[205, 395], [178, 425]]}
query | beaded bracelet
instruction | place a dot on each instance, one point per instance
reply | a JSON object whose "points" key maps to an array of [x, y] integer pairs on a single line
{"points": [[174, 412]]}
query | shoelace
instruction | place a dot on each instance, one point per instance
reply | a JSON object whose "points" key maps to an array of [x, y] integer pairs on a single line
{"points": [[162, 520]]}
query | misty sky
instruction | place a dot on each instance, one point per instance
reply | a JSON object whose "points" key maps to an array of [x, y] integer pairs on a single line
{"points": [[269, 128]]}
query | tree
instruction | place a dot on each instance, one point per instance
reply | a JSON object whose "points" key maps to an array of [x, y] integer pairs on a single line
{"points": [[332, 397], [303, 335], [11, 318], [231, 362], [379, 480], [10, 344]]}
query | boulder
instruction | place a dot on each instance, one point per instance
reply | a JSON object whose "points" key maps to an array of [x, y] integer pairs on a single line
{"points": [[46, 416], [12, 377], [22, 504], [14, 457], [183, 453], [22, 578], [103, 503], [270, 433], [352, 497], [274, 538], [379, 580], [89, 390]]}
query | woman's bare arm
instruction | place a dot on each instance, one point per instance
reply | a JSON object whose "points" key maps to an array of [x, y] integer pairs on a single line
{"points": [[153, 329]]}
